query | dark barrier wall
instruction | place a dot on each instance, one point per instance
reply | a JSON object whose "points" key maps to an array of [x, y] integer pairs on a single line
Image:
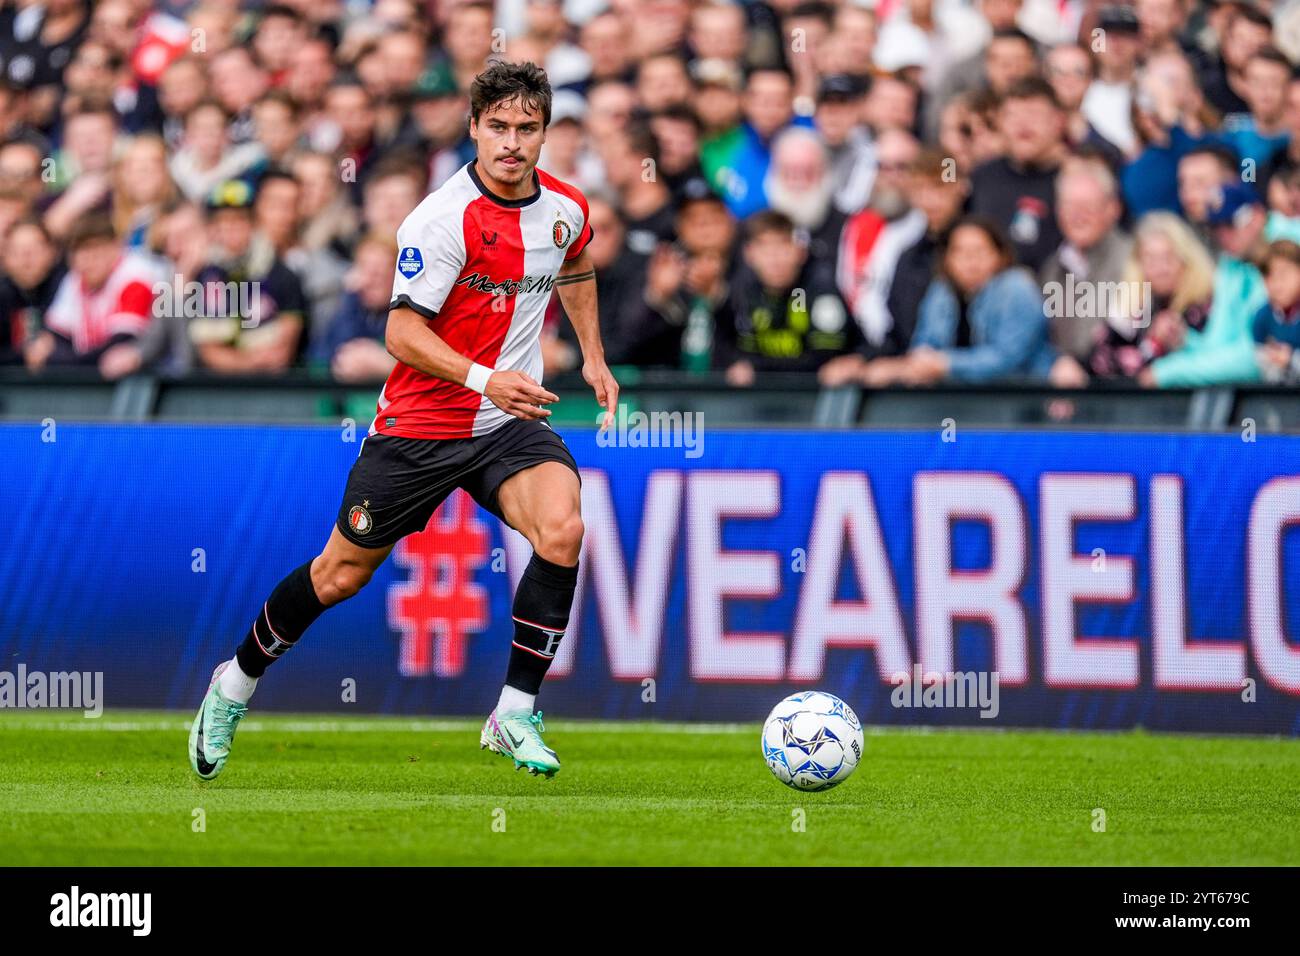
{"points": [[1108, 580]]}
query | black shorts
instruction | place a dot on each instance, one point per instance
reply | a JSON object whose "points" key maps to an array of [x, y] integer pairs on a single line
{"points": [[397, 483]]}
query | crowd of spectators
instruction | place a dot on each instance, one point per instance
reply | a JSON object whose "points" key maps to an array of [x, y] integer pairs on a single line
{"points": [[889, 192]]}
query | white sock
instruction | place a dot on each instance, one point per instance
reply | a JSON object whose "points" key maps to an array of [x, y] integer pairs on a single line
{"points": [[235, 684], [513, 699]]}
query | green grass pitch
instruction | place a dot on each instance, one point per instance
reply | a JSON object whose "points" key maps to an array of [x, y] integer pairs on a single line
{"points": [[377, 790]]}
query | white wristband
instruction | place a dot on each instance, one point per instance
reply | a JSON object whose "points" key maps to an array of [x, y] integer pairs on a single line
{"points": [[478, 376]]}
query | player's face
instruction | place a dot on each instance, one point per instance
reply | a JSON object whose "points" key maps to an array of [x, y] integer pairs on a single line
{"points": [[509, 138]]}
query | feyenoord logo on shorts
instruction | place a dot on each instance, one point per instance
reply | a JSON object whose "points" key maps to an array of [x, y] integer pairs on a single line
{"points": [[359, 519], [561, 233], [409, 262]]}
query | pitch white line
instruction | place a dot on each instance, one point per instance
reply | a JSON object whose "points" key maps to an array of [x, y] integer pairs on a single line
{"points": [[358, 726]]}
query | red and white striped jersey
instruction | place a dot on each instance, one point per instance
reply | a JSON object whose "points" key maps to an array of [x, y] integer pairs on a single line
{"points": [[481, 269], [123, 305]]}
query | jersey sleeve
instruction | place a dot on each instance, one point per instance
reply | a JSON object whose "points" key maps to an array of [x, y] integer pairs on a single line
{"points": [[430, 258], [584, 234]]}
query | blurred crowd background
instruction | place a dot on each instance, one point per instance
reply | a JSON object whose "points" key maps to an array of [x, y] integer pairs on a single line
{"points": [[897, 192]]}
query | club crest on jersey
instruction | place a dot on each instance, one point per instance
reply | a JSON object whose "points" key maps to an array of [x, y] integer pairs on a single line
{"points": [[409, 262], [561, 233], [359, 519]]}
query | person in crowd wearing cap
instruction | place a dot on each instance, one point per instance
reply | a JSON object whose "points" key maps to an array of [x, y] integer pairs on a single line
{"points": [[1223, 352], [1276, 326], [1108, 104], [851, 156], [102, 306], [1018, 190], [1257, 136], [719, 105], [438, 126], [1202, 172], [252, 316], [873, 239]]}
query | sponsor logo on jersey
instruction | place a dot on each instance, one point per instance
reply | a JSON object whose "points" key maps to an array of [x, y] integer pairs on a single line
{"points": [[490, 286], [409, 262]]}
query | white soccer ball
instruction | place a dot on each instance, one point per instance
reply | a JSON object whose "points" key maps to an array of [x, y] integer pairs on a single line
{"points": [[812, 741]]}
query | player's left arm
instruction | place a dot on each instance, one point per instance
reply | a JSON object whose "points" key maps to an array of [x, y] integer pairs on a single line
{"points": [[576, 283]]}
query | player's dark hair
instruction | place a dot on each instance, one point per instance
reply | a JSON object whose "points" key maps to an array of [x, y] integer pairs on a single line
{"points": [[502, 83]]}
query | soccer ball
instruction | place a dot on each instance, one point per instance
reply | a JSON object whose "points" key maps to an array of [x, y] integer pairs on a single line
{"points": [[812, 741]]}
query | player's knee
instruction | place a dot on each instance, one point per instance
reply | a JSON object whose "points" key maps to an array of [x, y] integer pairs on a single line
{"points": [[559, 538], [340, 581]]}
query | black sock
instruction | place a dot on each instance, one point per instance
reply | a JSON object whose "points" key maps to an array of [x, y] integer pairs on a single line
{"points": [[541, 613], [288, 612]]}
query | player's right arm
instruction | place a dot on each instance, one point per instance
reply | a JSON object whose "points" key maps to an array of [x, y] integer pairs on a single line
{"points": [[431, 256], [410, 340]]}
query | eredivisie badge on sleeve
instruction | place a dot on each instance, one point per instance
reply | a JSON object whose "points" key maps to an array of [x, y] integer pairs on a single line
{"points": [[409, 262]]}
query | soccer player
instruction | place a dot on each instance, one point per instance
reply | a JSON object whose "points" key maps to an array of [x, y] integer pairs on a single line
{"points": [[463, 408]]}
